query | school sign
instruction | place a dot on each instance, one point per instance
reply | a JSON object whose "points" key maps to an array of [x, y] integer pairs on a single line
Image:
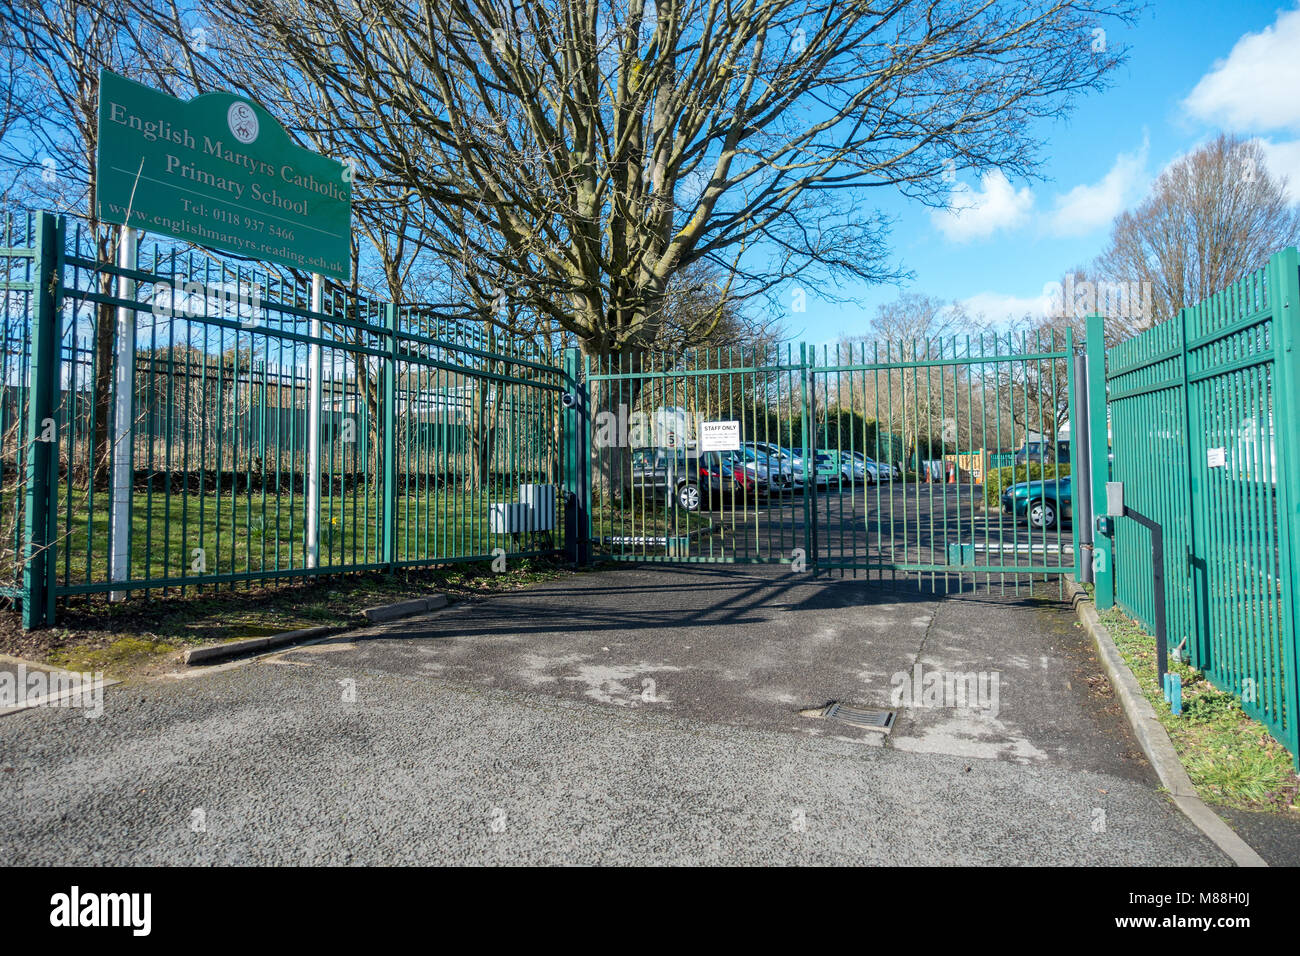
{"points": [[220, 171]]}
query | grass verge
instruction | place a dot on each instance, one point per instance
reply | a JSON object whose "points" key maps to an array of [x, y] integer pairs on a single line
{"points": [[1232, 759]]}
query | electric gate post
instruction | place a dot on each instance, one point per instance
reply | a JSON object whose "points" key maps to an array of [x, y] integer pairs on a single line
{"points": [[1116, 508], [1103, 553], [1081, 487], [808, 434], [1073, 405], [390, 441], [311, 534]]}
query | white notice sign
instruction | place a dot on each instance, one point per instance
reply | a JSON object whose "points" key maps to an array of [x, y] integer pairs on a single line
{"points": [[719, 436], [1216, 457]]}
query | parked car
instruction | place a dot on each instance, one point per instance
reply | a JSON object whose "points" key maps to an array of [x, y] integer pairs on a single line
{"points": [[802, 470], [1044, 504], [1040, 452], [791, 465], [849, 467], [725, 483], [780, 468], [824, 468], [885, 470], [874, 471], [688, 479], [768, 473]]}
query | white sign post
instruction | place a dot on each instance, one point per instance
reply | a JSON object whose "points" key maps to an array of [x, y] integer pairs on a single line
{"points": [[121, 448], [314, 388]]}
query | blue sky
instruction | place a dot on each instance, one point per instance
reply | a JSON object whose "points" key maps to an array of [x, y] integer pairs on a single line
{"points": [[1195, 68]]}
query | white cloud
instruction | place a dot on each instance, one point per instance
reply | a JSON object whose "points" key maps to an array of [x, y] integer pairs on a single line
{"points": [[1254, 88], [973, 214], [1001, 309], [1091, 206], [1283, 159]]}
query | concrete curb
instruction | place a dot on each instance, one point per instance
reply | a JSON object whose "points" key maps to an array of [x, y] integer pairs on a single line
{"points": [[1154, 739], [392, 612], [218, 652]]}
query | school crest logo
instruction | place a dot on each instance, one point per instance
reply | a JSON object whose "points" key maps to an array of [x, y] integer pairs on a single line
{"points": [[243, 122]]}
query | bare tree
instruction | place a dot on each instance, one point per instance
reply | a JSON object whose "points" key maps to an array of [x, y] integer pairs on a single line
{"points": [[926, 406], [14, 91], [605, 145], [1210, 217], [582, 152], [53, 51]]}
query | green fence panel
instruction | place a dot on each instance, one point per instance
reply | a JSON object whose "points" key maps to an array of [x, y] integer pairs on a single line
{"points": [[28, 257], [1197, 446], [429, 424]]}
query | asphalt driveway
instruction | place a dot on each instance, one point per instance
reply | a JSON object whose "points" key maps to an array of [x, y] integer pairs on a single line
{"points": [[640, 715]]}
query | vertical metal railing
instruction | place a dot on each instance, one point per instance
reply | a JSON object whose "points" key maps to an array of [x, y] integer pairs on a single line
{"points": [[858, 459], [426, 422], [1204, 445]]}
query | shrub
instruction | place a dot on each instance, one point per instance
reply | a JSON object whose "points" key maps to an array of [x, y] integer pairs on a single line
{"points": [[1000, 479]]}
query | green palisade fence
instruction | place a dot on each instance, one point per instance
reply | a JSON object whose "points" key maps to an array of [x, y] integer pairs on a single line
{"points": [[427, 421], [1205, 440]]}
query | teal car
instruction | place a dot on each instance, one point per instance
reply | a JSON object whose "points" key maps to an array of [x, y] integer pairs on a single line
{"points": [[1043, 504]]}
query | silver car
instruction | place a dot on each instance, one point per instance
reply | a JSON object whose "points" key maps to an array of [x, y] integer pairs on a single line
{"points": [[781, 472], [879, 469], [792, 465], [765, 472]]}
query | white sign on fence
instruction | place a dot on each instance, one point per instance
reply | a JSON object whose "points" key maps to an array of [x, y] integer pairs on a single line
{"points": [[1216, 457], [719, 436]]}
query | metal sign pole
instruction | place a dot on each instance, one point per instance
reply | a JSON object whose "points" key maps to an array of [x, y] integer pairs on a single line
{"points": [[123, 443], [313, 421]]}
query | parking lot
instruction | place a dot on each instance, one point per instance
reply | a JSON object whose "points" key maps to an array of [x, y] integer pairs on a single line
{"points": [[879, 530]]}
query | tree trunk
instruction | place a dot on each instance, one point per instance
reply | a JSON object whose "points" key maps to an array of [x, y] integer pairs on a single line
{"points": [[484, 410]]}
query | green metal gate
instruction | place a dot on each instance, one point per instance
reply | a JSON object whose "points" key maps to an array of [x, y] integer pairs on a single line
{"points": [[881, 460], [658, 490]]}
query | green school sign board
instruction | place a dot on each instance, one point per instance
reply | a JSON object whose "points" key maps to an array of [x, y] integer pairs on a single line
{"points": [[220, 171]]}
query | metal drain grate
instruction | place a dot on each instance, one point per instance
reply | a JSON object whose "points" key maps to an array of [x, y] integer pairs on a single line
{"points": [[870, 719]]}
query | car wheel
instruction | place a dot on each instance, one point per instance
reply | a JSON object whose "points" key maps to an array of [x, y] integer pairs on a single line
{"points": [[1042, 515], [688, 496]]}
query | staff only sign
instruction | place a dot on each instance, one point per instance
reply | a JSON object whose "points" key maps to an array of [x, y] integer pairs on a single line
{"points": [[220, 171]]}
